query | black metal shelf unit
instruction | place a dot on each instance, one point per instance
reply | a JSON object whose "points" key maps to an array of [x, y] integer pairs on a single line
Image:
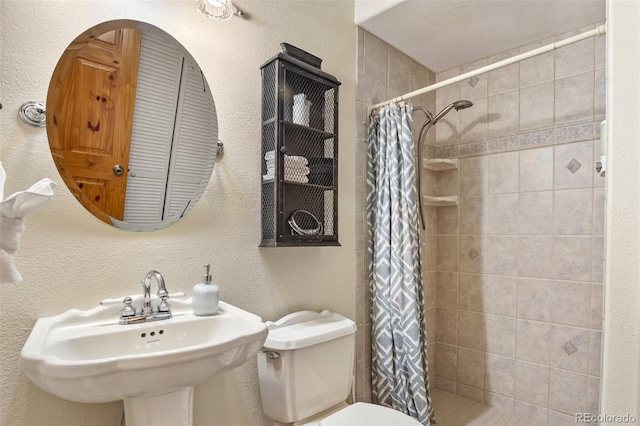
{"points": [[299, 158]]}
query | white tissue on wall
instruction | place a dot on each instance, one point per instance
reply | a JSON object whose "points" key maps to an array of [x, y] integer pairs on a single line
{"points": [[13, 210]]}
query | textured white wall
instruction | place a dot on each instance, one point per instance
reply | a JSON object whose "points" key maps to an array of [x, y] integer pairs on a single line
{"points": [[71, 260], [620, 392]]}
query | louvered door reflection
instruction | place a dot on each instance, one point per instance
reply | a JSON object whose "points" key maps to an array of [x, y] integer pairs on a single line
{"points": [[170, 135]]}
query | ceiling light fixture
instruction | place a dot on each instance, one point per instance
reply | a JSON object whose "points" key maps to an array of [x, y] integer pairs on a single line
{"points": [[218, 9]]}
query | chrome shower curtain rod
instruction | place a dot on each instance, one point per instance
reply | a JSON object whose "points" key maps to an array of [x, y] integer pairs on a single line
{"points": [[600, 30]]}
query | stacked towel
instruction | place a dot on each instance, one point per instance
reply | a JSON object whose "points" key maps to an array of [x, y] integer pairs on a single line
{"points": [[295, 167]]}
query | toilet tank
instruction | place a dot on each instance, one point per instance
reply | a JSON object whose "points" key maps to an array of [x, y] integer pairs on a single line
{"points": [[306, 364]]}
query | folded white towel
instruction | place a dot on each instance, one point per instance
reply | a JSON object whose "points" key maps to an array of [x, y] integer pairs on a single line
{"points": [[11, 231], [288, 178], [297, 169], [13, 210], [291, 159], [287, 173]]}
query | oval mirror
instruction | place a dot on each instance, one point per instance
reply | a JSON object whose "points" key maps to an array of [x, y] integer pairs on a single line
{"points": [[132, 125]]}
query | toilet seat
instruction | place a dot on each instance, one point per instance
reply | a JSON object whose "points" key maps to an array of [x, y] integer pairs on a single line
{"points": [[363, 414]]}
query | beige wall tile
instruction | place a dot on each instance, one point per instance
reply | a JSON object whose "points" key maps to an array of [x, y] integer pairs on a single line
{"points": [[447, 290], [532, 341], [469, 392], [596, 306], [501, 218], [595, 353], [499, 401], [534, 299], [399, 68], [536, 70], [571, 303], [537, 106], [375, 58], [560, 419], [600, 95], [575, 58], [502, 255], [503, 173], [447, 259], [473, 176], [499, 374], [446, 361], [447, 183], [472, 253], [535, 256], [574, 165], [473, 215], [430, 288], [447, 326], [574, 97], [470, 367], [535, 415], [445, 384], [448, 220], [475, 87], [532, 383], [598, 211], [536, 169], [569, 348], [503, 79], [471, 331], [573, 212], [374, 91], [567, 392], [500, 335], [432, 322], [503, 114], [593, 395], [535, 211], [470, 292], [500, 295], [572, 258]]}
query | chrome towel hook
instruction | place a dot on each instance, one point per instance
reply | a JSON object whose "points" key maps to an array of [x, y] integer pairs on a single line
{"points": [[33, 113]]}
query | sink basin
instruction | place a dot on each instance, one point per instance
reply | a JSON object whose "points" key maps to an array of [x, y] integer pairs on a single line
{"points": [[86, 356]]}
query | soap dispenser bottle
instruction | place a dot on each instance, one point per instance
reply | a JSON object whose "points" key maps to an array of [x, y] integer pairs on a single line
{"points": [[205, 297]]}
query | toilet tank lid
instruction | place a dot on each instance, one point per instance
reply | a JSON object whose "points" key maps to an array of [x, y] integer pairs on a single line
{"points": [[306, 328]]}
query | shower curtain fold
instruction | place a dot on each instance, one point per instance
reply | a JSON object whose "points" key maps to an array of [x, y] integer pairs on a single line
{"points": [[399, 366]]}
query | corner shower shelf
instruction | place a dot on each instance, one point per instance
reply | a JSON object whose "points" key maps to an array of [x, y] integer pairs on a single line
{"points": [[451, 200], [438, 164]]}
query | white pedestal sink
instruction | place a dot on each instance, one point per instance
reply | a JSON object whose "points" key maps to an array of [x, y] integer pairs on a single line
{"points": [[86, 356]]}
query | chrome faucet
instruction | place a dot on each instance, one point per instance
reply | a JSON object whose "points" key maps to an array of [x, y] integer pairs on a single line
{"points": [[148, 312]]}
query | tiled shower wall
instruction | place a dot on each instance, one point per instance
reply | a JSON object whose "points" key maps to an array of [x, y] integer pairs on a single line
{"points": [[383, 73], [519, 260], [513, 274]]}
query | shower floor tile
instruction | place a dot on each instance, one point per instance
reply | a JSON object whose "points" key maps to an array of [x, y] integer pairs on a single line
{"points": [[454, 410]]}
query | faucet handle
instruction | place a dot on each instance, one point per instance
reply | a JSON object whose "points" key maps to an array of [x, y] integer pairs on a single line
{"points": [[128, 310], [164, 306]]}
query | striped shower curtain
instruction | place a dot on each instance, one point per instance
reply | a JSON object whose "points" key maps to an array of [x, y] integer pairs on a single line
{"points": [[398, 334]]}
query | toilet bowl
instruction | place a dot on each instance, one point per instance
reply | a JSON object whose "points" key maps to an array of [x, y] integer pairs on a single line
{"points": [[305, 370]]}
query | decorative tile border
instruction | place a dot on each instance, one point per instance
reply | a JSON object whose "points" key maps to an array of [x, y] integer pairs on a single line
{"points": [[557, 136]]}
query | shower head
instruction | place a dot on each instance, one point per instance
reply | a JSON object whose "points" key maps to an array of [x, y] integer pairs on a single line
{"points": [[458, 105]]}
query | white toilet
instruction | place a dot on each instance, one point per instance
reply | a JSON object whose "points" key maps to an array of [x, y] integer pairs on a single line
{"points": [[305, 369]]}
